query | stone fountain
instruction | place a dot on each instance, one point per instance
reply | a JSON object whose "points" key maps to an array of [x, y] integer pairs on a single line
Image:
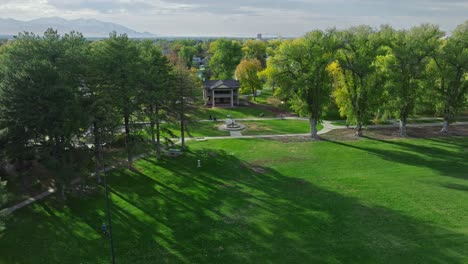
{"points": [[231, 125]]}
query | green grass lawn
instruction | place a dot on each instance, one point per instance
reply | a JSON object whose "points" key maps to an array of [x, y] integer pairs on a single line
{"points": [[235, 112], [275, 127], [264, 96], [260, 127], [344, 122], [195, 129], [265, 201]]}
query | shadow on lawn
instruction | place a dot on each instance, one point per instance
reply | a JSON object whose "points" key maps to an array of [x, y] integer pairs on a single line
{"points": [[230, 211], [414, 153]]}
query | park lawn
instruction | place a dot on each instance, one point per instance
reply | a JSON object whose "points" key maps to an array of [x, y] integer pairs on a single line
{"points": [[344, 122], [265, 201], [339, 123], [204, 113], [195, 129], [278, 126], [264, 96]]}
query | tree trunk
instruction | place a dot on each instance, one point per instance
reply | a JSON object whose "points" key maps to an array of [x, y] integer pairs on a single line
{"points": [[313, 127], [153, 138], [358, 129], [403, 126], [182, 131], [182, 123], [158, 135], [128, 144], [97, 149], [445, 126]]}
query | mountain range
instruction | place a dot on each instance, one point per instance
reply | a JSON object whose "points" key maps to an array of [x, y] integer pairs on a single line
{"points": [[90, 28]]}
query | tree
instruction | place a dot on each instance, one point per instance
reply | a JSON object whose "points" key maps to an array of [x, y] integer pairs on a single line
{"points": [[255, 49], [119, 69], [300, 69], [184, 85], [356, 84], [447, 72], [104, 116], [404, 64], [247, 74], [41, 98], [155, 92], [226, 54], [186, 54]]}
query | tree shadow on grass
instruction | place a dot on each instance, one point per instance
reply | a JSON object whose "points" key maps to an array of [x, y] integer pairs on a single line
{"points": [[231, 211], [414, 153], [458, 187], [227, 212]]}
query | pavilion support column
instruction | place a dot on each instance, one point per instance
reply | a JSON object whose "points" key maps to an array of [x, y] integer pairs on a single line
{"points": [[212, 98], [232, 97], [204, 96], [237, 92]]}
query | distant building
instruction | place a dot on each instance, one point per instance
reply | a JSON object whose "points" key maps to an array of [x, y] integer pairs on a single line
{"points": [[196, 60], [221, 93], [259, 36]]}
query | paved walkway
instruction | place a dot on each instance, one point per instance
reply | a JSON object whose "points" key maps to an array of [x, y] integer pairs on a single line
{"points": [[235, 133]]}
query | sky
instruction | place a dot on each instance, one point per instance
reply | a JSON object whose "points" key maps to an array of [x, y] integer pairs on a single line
{"points": [[244, 17]]}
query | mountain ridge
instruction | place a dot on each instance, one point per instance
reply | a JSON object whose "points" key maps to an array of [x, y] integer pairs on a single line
{"points": [[88, 27]]}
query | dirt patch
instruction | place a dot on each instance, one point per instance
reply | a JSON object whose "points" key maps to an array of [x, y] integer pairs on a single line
{"points": [[253, 126], [275, 110], [258, 169], [393, 133], [292, 139]]}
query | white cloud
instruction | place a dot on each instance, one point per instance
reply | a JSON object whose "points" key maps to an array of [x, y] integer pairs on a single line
{"points": [[243, 17]]}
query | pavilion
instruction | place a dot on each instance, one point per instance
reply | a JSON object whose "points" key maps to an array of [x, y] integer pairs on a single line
{"points": [[221, 93]]}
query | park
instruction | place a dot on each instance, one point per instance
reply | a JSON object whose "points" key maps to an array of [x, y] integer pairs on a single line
{"points": [[114, 151]]}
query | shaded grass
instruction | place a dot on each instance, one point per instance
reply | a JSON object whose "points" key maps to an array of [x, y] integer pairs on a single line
{"points": [[264, 201], [203, 113]]}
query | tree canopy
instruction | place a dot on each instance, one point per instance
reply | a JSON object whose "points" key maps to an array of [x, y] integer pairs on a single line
{"points": [[247, 74], [226, 55]]}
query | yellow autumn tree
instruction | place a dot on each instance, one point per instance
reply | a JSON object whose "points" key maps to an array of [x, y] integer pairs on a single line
{"points": [[247, 74]]}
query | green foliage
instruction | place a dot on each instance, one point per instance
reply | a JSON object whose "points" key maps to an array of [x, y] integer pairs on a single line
{"points": [[247, 74], [299, 67], [119, 67], [357, 86], [255, 49], [41, 92], [447, 73], [403, 66], [226, 54], [186, 53]]}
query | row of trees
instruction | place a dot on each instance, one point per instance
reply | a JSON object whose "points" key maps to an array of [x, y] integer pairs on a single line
{"points": [[55, 90], [368, 72]]}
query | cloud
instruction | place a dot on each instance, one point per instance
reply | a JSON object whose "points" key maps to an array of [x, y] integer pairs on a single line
{"points": [[104, 6], [333, 7], [244, 17]]}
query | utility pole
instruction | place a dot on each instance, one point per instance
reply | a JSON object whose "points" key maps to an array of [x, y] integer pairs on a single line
{"points": [[109, 220]]}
